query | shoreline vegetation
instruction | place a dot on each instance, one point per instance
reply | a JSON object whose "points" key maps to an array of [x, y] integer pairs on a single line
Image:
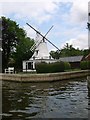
{"points": [[16, 46], [44, 77]]}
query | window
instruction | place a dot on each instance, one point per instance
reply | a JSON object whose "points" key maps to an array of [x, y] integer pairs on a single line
{"points": [[36, 52], [30, 65]]}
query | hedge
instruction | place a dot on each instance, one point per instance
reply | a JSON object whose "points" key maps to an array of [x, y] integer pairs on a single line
{"points": [[85, 65], [52, 67], [56, 67], [67, 65], [41, 67]]}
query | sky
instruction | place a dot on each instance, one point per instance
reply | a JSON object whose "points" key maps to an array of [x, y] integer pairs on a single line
{"points": [[68, 17]]}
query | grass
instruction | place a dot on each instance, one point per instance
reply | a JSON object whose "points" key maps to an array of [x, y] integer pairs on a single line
{"points": [[76, 69], [33, 72]]}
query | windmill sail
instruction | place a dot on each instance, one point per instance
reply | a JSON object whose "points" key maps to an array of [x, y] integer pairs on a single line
{"points": [[40, 50], [40, 47], [43, 37], [37, 43]]}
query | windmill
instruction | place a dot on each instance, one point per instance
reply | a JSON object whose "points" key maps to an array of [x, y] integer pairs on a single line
{"points": [[40, 50], [40, 46]]}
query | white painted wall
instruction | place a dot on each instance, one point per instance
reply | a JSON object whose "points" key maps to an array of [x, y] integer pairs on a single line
{"points": [[24, 65], [42, 49]]}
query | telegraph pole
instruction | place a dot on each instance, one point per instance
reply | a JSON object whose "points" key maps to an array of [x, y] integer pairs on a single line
{"points": [[88, 25]]}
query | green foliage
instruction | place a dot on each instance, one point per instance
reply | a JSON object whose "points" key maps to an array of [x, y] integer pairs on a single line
{"points": [[55, 54], [88, 64], [69, 50], [85, 65], [9, 39], [58, 67], [67, 65], [86, 52], [15, 44], [22, 52], [41, 67], [66, 51], [50, 67]]}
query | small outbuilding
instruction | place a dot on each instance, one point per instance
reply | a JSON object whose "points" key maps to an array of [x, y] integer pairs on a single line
{"points": [[73, 60], [87, 57]]}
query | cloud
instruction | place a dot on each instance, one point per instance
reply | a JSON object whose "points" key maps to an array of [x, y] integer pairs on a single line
{"points": [[38, 11], [0, 9], [81, 41], [79, 11], [44, 10], [30, 33], [22, 0]]}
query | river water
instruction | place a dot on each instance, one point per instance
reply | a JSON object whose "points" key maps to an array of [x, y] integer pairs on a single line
{"points": [[62, 99]]}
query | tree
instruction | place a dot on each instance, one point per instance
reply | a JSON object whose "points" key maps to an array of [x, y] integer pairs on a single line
{"points": [[13, 41], [66, 51], [55, 54], [86, 52], [69, 50], [22, 52]]}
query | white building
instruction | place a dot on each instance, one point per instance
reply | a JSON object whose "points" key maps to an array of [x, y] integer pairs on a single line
{"points": [[41, 54]]}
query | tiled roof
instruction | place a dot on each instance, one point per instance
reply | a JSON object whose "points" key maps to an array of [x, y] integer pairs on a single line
{"points": [[71, 59]]}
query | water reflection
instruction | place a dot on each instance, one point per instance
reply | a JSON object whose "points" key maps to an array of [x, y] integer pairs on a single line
{"points": [[88, 81], [63, 99]]}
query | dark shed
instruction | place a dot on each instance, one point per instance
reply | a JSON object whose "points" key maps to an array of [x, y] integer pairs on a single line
{"points": [[73, 60]]}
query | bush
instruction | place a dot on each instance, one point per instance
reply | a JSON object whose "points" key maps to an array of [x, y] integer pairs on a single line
{"points": [[41, 67], [88, 64], [57, 67], [85, 65], [50, 67], [67, 65]]}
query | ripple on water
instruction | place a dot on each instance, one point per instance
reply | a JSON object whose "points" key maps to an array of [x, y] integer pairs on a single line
{"points": [[54, 100], [61, 97], [29, 111], [54, 93], [6, 114]]}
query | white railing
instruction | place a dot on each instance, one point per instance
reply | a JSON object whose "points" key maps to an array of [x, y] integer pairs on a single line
{"points": [[9, 70]]}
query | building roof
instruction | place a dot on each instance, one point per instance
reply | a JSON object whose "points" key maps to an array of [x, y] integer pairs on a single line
{"points": [[71, 59], [87, 57]]}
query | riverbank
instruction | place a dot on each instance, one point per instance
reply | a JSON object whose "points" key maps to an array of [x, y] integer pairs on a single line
{"points": [[44, 77]]}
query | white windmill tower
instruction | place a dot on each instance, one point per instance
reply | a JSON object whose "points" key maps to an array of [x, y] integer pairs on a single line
{"points": [[40, 50], [40, 46]]}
